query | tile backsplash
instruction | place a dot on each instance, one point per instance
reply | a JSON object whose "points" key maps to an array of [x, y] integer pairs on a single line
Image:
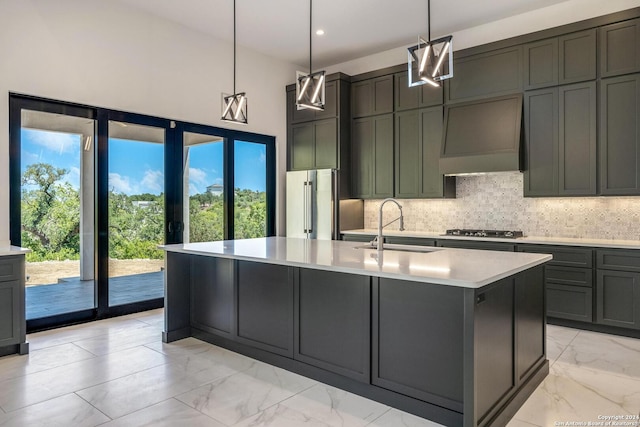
{"points": [[495, 201]]}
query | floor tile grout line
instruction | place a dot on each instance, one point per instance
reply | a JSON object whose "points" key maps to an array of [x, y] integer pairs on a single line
{"points": [[94, 407], [377, 418], [601, 371]]}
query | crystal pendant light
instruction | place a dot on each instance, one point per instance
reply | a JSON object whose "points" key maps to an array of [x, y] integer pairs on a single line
{"points": [[430, 61], [234, 107], [310, 87]]}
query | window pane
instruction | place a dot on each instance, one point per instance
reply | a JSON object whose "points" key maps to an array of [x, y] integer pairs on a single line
{"points": [[250, 197], [203, 174]]}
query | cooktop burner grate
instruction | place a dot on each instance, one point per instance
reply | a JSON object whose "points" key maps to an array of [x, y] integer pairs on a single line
{"points": [[503, 234]]}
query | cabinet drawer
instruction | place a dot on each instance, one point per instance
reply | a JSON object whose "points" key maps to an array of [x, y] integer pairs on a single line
{"points": [[563, 255], [485, 246], [410, 241], [9, 269], [570, 302], [569, 276], [613, 259], [357, 237]]}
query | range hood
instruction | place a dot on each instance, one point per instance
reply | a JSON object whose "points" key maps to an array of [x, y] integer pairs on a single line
{"points": [[482, 136]]}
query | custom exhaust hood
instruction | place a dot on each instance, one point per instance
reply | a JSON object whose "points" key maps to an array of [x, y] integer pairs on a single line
{"points": [[482, 136]]}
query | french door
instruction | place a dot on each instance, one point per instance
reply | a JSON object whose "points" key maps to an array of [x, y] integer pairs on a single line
{"points": [[93, 192]]}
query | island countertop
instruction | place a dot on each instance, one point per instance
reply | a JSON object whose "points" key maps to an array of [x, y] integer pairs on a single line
{"points": [[445, 266]]}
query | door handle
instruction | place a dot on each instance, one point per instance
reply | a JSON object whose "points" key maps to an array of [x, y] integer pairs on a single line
{"points": [[304, 206], [310, 200]]}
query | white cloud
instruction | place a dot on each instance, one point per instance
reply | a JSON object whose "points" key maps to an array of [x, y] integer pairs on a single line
{"points": [[119, 183], [198, 176], [57, 141], [152, 182], [193, 189], [73, 177], [263, 157]]}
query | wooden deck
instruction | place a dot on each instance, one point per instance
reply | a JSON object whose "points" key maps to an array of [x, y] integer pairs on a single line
{"points": [[71, 294]]}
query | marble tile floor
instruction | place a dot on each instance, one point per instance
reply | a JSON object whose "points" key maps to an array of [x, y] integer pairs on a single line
{"points": [[117, 372]]}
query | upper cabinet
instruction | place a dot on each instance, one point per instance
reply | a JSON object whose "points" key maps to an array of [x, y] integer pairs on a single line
{"points": [[620, 135], [560, 141], [493, 73], [620, 48], [561, 60], [320, 139], [409, 98], [372, 157], [372, 97]]}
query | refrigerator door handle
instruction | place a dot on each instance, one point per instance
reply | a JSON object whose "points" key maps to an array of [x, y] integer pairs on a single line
{"points": [[310, 206], [304, 206]]}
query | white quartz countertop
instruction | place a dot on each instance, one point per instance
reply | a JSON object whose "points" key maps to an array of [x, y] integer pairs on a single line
{"points": [[564, 241], [454, 267], [13, 250]]}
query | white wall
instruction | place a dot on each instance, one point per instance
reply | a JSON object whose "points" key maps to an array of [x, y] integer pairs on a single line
{"points": [[101, 53], [541, 19]]}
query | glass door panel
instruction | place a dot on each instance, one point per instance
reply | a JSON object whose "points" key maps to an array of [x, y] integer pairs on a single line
{"points": [[136, 212], [57, 212], [203, 187], [250, 197]]}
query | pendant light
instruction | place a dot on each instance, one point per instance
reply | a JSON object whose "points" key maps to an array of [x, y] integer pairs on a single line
{"points": [[234, 107], [310, 87], [430, 61]]}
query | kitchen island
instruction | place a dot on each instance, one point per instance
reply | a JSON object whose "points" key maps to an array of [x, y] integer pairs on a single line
{"points": [[456, 336]]}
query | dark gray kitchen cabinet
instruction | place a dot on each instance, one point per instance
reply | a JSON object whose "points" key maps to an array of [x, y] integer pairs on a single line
{"points": [[560, 141], [417, 150], [408, 98], [320, 139], [618, 298], [577, 57], [212, 279], [332, 322], [12, 306], [265, 306], [541, 142], [372, 97], [569, 302], [474, 244], [372, 157], [541, 64], [404, 361], [493, 73], [620, 135], [620, 48]]}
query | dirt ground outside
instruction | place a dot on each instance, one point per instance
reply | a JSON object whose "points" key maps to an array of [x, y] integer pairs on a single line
{"points": [[48, 272]]}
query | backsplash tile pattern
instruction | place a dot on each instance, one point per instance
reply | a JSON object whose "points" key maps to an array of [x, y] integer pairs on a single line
{"points": [[495, 201]]}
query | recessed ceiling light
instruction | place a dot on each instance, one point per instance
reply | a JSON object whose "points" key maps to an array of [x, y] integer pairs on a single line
{"points": [[320, 32]]}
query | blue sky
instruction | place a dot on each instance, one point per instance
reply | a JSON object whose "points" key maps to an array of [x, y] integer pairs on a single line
{"points": [[138, 167]]}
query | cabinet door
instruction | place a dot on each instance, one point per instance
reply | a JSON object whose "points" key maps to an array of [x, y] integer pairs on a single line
{"points": [[620, 135], [408, 168], [332, 328], [382, 95], [361, 99], [298, 116], [212, 280], [330, 101], [494, 73], [434, 184], [361, 157], [383, 156], [325, 144], [541, 142], [569, 302], [577, 57], [9, 313], [301, 146], [577, 141], [371, 97], [618, 298], [541, 64], [620, 48], [408, 98], [265, 306]]}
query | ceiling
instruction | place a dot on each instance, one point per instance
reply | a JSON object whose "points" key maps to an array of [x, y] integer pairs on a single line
{"points": [[353, 28]]}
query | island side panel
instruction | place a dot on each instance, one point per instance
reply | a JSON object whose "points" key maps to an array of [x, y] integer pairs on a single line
{"points": [[177, 297], [265, 306], [530, 321], [333, 322], [417, 345]]}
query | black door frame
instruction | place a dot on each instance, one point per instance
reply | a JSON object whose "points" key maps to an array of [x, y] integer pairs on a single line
{"points": [[174, 197]]}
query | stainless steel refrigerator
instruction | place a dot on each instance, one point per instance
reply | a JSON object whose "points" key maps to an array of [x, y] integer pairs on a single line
{"points": [[314, 208]]}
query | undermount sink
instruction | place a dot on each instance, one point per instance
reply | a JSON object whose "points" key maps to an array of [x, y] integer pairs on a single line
{"points": [[402, 248]]}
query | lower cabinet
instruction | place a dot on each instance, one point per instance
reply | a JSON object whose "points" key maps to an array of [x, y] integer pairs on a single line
{"points": [[569, 302], [618, 298], [484, 246], [212, 280], [332, 321], [9, 315], [402, 352], [265, 306]]}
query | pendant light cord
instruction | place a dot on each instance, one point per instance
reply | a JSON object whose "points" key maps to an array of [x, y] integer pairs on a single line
{"points": [[428, 20], [234, 47], [310, 31]]}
